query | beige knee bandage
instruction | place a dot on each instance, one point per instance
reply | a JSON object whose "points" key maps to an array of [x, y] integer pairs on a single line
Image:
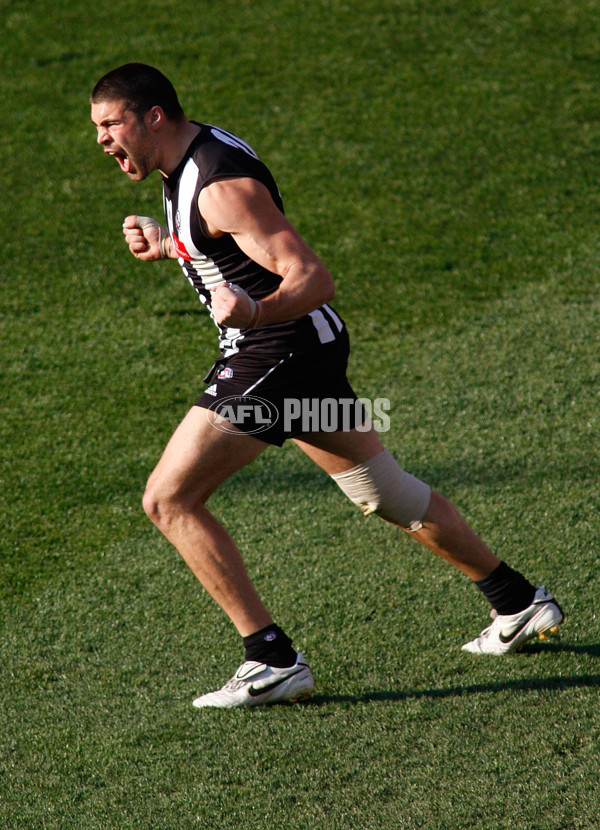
{"points": [[381, 486]]}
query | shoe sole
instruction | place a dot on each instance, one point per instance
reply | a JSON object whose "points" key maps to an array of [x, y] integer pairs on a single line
{"points": [[303, 694], [303, 697], [544, 633]]}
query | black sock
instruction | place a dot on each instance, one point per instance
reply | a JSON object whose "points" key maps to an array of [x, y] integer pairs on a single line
{"points": [[506, 590], [270, 645]]}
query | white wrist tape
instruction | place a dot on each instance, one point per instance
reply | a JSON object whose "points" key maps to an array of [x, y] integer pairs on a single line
{"points": [[255, 307], [381, 486], [144, 222], [162, 241]]}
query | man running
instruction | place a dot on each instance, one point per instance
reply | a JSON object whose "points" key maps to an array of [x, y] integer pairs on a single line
{"points": [[280, 341]]}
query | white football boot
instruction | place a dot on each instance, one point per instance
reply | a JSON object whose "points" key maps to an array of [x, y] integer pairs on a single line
{"points": [[509, 631], [256, 684]]}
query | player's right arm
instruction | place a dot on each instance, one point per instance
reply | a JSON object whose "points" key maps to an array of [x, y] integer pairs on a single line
{"points": [[147, 239]]}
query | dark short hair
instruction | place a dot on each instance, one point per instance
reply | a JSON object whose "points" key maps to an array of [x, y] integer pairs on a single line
{"points": [[140, 87]]}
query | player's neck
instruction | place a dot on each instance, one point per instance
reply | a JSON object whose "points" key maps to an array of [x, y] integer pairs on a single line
{"points": [[176, 145]]}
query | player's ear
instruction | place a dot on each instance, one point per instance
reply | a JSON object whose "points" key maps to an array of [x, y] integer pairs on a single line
{"points": [[154, 117]]}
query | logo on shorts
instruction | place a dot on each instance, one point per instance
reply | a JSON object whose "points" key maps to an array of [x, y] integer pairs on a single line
{"points": [[243, 412], [225, 374], [212, 390]]}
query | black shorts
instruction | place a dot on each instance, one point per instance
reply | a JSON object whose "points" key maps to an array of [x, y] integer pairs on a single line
{"points": [[281, 397]]}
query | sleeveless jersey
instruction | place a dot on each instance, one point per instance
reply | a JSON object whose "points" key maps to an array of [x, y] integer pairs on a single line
{"points": [[209, 262]]}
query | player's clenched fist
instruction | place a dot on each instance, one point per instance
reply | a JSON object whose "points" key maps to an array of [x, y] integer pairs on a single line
{"points": [[147, 238], [232, 306]]}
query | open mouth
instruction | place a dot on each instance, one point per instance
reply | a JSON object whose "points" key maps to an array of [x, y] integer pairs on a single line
{"points": [[122, 160]]}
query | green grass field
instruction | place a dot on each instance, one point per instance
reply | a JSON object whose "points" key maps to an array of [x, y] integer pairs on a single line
{"points": [[442, 158]]}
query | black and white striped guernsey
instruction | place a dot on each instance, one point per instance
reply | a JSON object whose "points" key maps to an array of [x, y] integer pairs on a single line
{"points": [[209, 262]]}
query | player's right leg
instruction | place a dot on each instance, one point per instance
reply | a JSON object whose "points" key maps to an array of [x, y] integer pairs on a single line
{"points": [[374, 481], [437, 524]]}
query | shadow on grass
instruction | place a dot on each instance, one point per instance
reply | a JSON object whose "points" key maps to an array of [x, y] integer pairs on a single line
{"points": [[537, 647], [549, 684]]}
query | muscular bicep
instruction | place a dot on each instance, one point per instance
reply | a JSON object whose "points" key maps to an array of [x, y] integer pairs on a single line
{"points": [[243, 207]]}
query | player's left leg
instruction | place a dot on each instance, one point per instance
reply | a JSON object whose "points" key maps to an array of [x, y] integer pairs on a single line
{"points": [[369, 476], [196, 461], [200, 456]]}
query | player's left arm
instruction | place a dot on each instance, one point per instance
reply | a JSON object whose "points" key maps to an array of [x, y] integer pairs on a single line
{"points": [[243, 207]]}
